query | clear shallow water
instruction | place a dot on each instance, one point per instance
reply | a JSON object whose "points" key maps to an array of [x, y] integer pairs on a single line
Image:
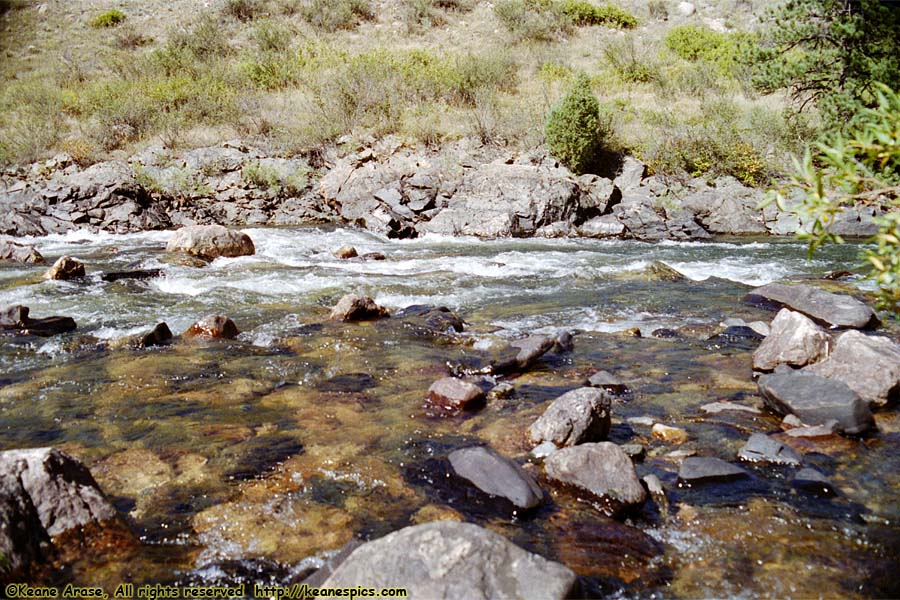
{"points": [[275, 449]]}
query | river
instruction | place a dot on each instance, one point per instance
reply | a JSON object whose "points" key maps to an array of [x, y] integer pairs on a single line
{"points": [[256, 458]]}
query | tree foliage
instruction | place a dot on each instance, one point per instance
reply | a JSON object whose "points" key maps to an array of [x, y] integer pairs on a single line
{"points": [[573, 128], [860, 166], [830, 53]]}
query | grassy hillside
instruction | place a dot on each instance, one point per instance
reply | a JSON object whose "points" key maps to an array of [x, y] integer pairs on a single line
{"points": [[102, 78]]}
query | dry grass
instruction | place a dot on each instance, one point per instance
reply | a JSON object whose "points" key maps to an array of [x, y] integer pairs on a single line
{"points": [[428, 70]]}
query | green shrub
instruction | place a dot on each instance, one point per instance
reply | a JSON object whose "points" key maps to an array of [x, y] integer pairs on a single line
{"points": [[269, 178], [584, 13], [536, 20], [629, 63], [420, 14], [573, 128], [110, 18], [859, 167], [243, 10], [272, 36], [333, 15], [696, 43]]}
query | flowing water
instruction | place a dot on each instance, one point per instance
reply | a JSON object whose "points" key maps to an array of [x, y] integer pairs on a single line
{"points": [[254, 459]]}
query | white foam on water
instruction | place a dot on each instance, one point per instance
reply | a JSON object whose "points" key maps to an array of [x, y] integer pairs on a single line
{"points": [[738, 269]]}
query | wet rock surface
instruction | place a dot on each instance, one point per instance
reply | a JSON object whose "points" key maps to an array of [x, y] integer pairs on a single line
{"points": [[762, 448], [65, 268], [496, 475], [697, 470], [576, 417], [453, 560], [357, 308], [833, 310], [452, 395], [602, 469], [213, 326], [816, 400], [16, 319]]}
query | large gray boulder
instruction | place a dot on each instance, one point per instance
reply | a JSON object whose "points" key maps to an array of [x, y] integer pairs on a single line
{"points": [[793, 340], [508, 200], [21, 532], [210, 242], [452, 560], [496, 475], [62, 490], [578, 416], [833, 310], [869, 365], [729, 208], [815, 400], [603, 469]]}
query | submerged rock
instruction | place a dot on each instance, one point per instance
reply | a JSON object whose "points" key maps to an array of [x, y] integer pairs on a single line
{"points": [[603, 469], [214, 326], [762, 448], [345, 252], [869, 365], [833, 310], [20, 253], [794, 340], [815, 400], [439, 319], [452, 560], [578, 416], [673, 435], [496, 475], [810, 480], [357, 308], [707, 469], [65, 268], [454, 395], [210, 242]]}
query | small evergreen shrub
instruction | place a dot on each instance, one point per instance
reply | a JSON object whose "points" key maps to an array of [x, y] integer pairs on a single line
{"points": [[334, 15], [573, 128], [108, 19], [584, 13]]}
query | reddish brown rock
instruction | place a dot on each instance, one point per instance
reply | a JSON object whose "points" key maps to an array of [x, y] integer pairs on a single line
{"points": [[357, 308], [451, 395], [213, 326]]}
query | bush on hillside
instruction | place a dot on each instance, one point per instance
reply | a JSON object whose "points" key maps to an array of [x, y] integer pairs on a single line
{"points": [[110, 18], [584, 13], [333, 15], [573, 129]]}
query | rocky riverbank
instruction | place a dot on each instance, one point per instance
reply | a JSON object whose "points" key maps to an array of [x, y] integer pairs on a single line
{"points": [[387, 188]]}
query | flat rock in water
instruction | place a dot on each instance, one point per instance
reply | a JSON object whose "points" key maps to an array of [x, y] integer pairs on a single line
{"points": [[724, 405], [531, 349], [578, 416], [815, 400], [812, 481], [762, 448], [446, 559], [707, 469], [869, 365], [454, 395], [833, 310], [603, 469], [210, 242], [16, 319], [607, 381], [793, 340], [357, 308], [139, 274], [496, 475]]}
